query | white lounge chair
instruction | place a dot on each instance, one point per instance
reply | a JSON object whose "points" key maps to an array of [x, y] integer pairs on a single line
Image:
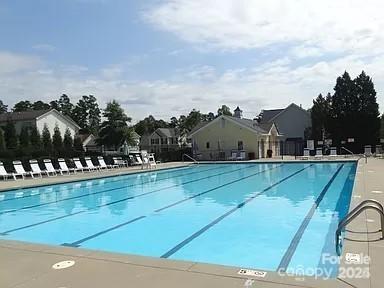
{"points": [[306, 154], [103, 165], [138, 160], [49, 167], [79, 166], [64, 168], [233, 156], [90, 164], [241, 156], [36, 168], [18, 167], [4, 173], [319, 153], [119, 161], [333, 152]]}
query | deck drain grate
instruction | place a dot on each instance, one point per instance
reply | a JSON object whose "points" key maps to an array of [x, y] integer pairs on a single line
{"points": [[255, 273], [63, 264]]}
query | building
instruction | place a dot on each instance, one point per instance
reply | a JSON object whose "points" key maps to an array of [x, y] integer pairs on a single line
{"points": [[292, 122], [39, 118], [219, 138], [162, 140]]}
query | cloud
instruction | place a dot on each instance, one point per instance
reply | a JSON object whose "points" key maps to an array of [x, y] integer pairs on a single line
{"points": [[12, 62], [315, 27], [44, 47]]}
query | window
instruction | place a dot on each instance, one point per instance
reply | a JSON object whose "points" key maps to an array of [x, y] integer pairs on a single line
{"points": [[240, 145], [207, 145], [171, 140]]}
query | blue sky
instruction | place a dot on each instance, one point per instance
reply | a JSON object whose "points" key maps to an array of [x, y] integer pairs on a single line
{"points": [[165, 57]]}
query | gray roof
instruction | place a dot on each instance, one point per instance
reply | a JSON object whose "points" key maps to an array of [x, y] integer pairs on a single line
{"points": [[22, 116], [166, 132], [250, 124], [267, 115]]}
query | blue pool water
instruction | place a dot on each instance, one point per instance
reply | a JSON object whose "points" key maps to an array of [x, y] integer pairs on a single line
{"points": [[266, 216]]}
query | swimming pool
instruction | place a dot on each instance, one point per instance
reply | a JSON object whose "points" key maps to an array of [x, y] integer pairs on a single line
{"points": [[271, 216]]}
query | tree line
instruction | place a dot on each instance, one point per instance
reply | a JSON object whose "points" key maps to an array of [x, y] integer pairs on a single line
{"points": [[350, 116]]}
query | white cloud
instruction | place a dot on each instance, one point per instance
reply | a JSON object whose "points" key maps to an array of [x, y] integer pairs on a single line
{"points": [[316, 26], [12, 62], [44, 47]]}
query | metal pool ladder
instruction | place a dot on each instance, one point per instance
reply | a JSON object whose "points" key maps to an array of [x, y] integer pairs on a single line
{"points": [[189, 157], [364, 205]]}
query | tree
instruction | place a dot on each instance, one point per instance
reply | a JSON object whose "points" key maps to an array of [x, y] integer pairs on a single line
{"points": [[87, 114], [22, 106], [77, 144], [10, 135], [68, 141], [224, 110], [320, 114], [2, 140], [66, 107], [3, 107], [382, 127], [57, 140], [114, 130], [40, 105], [46, 139], [149, 124], [24, 138], [35, 138]]}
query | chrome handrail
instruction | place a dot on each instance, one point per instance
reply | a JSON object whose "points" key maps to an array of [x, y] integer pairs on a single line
{"points": [[353, 154], [193, 159], [372, 204]]}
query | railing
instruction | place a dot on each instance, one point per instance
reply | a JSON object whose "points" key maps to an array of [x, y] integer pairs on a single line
{"points": [[364, 205], [358, 155], [189, 157]]}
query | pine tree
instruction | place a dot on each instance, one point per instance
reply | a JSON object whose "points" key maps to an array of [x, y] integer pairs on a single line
{"points": [[320, 114], [2, 140], [46, 139], [24, 138], [68, 141], [10, 135], [57, 140], [77, 144], [35, 138]]}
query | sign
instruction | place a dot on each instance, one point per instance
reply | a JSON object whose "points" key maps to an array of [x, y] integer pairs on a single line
{"points": [[320, 142], [254, 273], [351, 140], [328, 141], [311, 144]]}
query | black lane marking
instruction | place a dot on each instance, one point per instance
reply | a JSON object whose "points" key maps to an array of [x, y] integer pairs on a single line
{"points": [[299, 233], [118, 201], [94, 193], [76, 243], [217, 220]]}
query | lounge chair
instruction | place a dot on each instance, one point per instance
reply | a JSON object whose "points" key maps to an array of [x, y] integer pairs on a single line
{"points": [[241, 156], [368, 150], [36, 168], [138, 160], [64, 168], [133, 160], [306, 154], [49, 167], [119, 161], [4, 173], [103, 165], [150, 161], [333, 152], [319, 153], [18, 167], [90, 165], [79, 166], [233, 156]]}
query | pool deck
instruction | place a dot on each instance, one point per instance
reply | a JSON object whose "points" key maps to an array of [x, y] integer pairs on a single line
{"points": [[29, 265]]}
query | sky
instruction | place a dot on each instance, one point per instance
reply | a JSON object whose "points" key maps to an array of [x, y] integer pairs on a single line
{"points": [[166, 57]]}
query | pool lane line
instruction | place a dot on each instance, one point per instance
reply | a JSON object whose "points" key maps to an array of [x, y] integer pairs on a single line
{"points": [[78, 242], [299, 233], [94, 193], [118, 201], [217, 220], [99, 184]]}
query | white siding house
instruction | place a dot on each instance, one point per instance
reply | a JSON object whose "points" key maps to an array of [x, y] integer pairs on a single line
{"points": [[39, 119]]}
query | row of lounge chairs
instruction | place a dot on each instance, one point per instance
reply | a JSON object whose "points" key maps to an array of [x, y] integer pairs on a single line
{"points": [[49, 170]]}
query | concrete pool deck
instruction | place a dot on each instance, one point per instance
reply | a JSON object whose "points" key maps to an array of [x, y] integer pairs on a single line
{"points": [[25, 265]]}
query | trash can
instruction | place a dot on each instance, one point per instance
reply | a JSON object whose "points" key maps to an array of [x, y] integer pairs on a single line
{"points": [[251, 155]]}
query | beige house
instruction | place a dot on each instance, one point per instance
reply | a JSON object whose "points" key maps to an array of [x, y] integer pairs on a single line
{"points": [[161, 140], [218, 139]]}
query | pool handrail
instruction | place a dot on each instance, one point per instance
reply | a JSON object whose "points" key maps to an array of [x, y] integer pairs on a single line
{"points": [[193, 159], [358, 155], [364, 205]]}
